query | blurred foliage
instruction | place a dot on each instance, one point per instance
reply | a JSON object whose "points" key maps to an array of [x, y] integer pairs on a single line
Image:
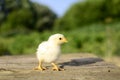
{"points": [[20, 15], [91, 26], [100, 40], [3, 49], [89, 11], [45, 18]]}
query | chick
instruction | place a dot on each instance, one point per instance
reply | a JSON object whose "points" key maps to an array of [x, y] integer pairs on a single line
{"points": [[49, 51]]}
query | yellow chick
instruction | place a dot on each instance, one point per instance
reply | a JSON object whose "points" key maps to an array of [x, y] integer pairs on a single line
{"points": [[49, 51]]}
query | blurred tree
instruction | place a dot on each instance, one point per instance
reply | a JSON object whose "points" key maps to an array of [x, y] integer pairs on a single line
{"points": [[89, 11], [2, 8], [24, 14], [44, 17]]}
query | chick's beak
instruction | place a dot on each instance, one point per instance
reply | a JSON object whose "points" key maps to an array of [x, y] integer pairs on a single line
{"points": [[65, 40]]}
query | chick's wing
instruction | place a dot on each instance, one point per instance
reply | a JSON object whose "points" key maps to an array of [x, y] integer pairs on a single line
{"points": [[43, 47]]}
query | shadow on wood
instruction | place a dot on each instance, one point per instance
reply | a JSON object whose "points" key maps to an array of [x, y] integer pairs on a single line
{"points": [[81, 61]]}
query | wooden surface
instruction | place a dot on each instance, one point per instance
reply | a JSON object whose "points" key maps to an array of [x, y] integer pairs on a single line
{"points": [[77, 67]]}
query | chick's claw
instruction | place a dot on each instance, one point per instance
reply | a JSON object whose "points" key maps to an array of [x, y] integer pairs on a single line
{"points": [[38, 68], [57, 69]]}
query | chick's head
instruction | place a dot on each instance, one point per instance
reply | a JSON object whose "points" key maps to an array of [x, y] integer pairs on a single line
{"points": [[57, 39]]}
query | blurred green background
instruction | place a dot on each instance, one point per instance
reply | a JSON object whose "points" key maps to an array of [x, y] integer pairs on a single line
{"points": [[91, 26]]}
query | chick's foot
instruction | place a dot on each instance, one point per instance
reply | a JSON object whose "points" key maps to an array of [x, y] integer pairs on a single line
{"points": [[57, 69], [40, 68]]}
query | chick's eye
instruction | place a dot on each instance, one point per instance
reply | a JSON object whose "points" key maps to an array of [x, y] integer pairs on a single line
{"points": [[60, 38]]}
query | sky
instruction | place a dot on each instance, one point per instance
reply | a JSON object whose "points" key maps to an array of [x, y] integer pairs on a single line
{"points": [[57, 6]]}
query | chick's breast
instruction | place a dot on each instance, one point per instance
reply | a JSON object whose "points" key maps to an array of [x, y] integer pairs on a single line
{"points": [[48, 52]]}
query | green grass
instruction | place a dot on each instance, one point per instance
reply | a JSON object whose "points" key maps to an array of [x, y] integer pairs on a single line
{"points": [[102, 40]]}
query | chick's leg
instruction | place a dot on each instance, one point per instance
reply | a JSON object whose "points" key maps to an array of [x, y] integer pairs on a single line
{"points": [[40, 66], [55, 67]]}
